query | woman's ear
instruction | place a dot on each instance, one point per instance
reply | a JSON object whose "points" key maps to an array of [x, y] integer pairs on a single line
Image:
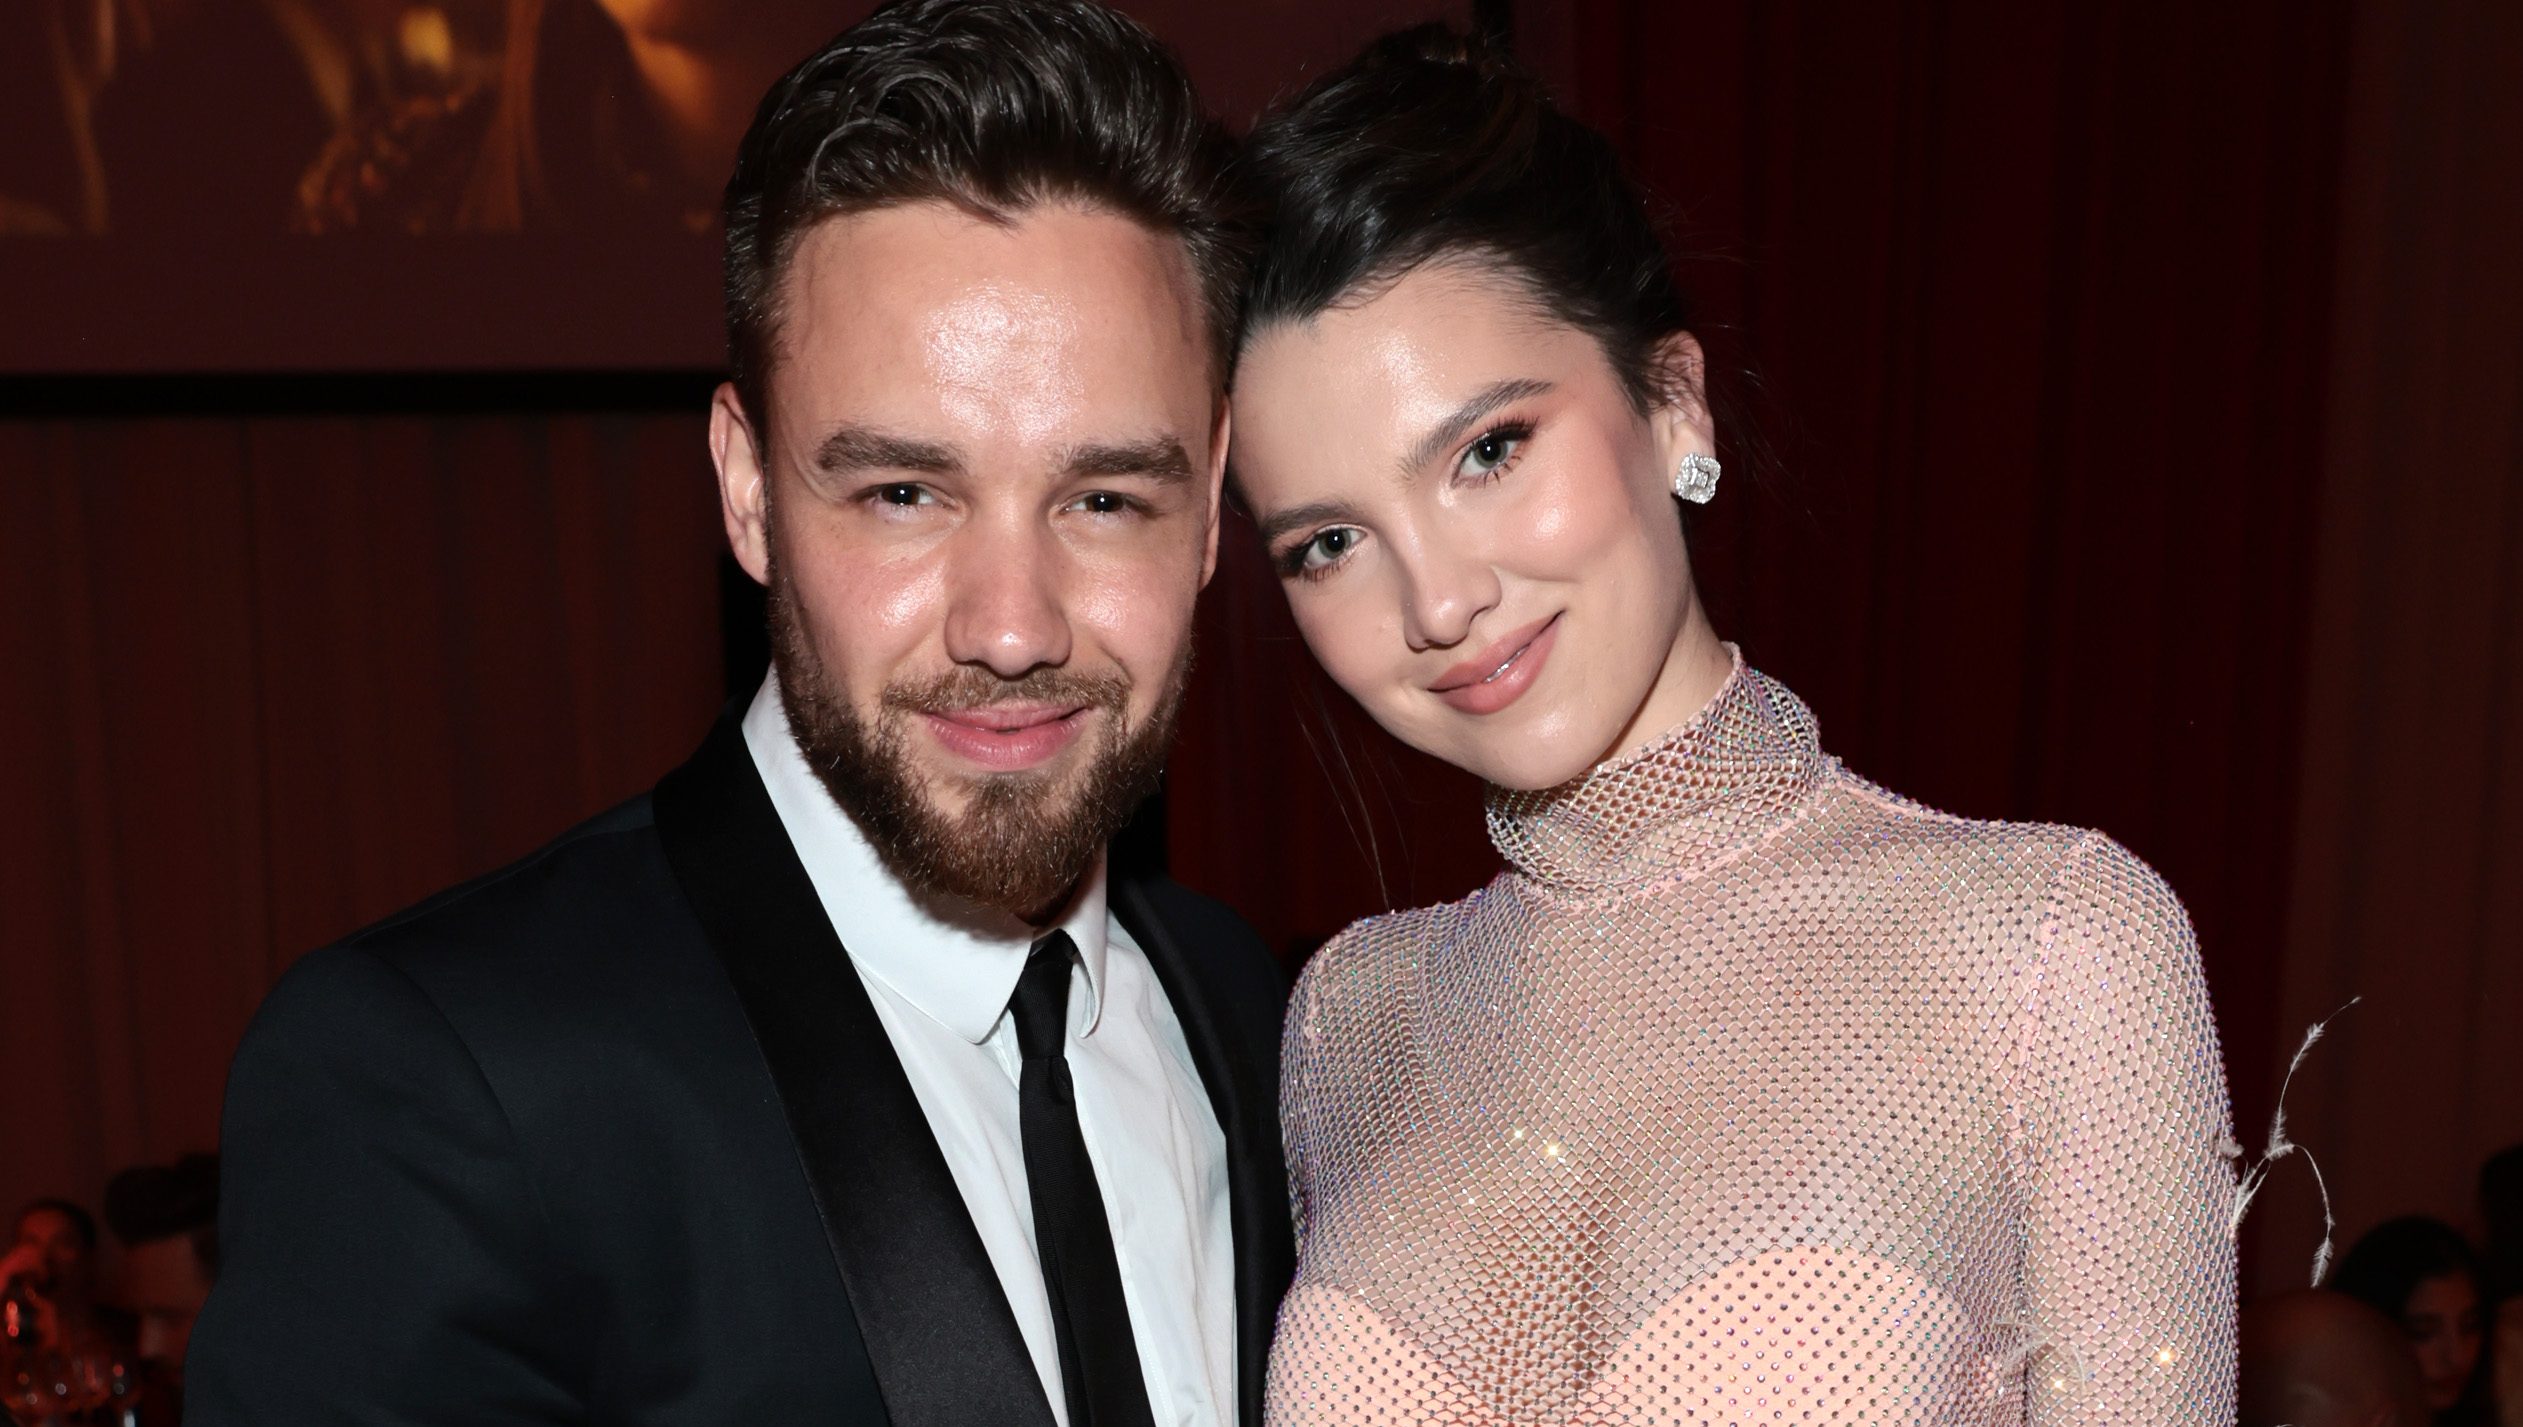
{"points": [[1681, 418]]}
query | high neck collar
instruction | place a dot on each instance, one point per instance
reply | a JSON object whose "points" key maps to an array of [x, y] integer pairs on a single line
{"points": [[1715, 784]]}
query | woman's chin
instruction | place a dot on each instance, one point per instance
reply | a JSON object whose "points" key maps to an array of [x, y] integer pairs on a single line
{"points": [[1520, 750], [1525, 764]]}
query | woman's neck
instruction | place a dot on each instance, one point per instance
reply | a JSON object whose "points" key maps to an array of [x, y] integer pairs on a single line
{"points": [[1695, 668]]}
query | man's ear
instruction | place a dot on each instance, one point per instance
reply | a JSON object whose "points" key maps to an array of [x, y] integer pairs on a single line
{"points": [[1682, 420], [1222, 430], [737, 453]]}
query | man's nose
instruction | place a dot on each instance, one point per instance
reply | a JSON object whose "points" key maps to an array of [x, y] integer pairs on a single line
{"points": [[1007, 600]]}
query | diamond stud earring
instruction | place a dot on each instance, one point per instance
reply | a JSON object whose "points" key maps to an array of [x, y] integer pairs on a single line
{"points": [[1696, 481]]}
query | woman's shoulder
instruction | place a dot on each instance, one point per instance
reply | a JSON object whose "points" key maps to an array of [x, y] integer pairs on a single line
{"points": [[1376, 953], [1372, 944], [2056, 862]]}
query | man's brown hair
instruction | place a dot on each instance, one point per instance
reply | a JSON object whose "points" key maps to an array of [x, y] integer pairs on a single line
{"points": [[991, 105]]}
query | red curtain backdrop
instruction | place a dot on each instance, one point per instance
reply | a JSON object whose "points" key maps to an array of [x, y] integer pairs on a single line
{"points": [[2409, 843], [264, 680]]}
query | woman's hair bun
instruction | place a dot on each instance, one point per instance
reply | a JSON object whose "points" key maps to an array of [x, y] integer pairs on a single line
{"points": [[1434, 144], [1439, 43]]}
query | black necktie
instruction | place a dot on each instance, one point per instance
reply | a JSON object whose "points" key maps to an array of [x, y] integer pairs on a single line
{"points": [[1099, 1361]]}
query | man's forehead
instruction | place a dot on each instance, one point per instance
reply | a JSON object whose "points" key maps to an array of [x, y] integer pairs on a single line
{"points": [[1057, 325], [904, 262]]}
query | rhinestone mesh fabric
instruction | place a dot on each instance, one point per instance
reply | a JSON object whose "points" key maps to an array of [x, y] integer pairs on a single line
{"points": [[1751, 1093]]}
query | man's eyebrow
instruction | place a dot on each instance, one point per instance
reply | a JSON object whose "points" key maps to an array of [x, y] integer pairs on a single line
{"points": [[1297, 517], [1159, 457], [1455, 427], [862, 448]]}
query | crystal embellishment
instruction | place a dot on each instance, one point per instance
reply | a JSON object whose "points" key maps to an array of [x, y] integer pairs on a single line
{"points": [[1696, 481], [1752, 1093]]}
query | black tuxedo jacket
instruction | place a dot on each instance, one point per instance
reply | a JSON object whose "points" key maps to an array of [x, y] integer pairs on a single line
{"points": [[614, 1136]]}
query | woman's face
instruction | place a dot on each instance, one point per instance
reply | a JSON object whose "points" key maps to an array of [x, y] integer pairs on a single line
{"points": [[2444, 1323], [1475, 527]]}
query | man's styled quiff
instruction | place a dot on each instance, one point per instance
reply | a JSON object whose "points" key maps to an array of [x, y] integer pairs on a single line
{"points": [[991, 105]]}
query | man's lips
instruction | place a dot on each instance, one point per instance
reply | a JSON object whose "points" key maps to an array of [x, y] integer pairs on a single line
{"points": [[1007, 738], [1499, 674]]}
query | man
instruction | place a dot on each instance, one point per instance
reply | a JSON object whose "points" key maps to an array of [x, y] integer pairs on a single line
{"points": [[841, 1080], [165, 1216], [49, 1274]]}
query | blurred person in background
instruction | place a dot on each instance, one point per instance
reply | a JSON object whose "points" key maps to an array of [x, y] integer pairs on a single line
{"points": [[166, 1217], [52, 1267], [2501, 1220], [2316, 1358], [2426, 1277]]}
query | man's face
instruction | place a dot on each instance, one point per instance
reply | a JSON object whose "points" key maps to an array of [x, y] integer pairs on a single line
{"points": [[163, 1282], [54, 1239], [985, 502]]}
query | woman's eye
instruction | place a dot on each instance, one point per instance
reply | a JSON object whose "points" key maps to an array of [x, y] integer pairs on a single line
{"points": [[1326, 549], [1488, 455]]}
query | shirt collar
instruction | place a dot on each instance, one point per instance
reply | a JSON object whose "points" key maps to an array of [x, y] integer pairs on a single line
{"points": [[956, 961]]}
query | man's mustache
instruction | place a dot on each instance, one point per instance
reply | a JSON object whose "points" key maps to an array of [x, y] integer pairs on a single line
{"points": [[969, 687]]}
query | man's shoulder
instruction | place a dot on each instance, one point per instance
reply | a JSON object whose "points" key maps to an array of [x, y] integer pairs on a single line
{"points": [[596, 914], [596, 870], [580, 943]]}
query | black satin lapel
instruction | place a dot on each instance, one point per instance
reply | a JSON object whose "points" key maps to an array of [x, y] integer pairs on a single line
{"points": [[945, 1345], [1248, 1114]]}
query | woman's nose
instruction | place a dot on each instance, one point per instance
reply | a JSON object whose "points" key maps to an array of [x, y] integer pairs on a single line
{"points": [[1446, 594]]}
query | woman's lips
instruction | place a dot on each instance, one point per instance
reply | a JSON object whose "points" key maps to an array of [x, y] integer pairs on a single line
{"points": [[1006, 738], [1498, 675]]}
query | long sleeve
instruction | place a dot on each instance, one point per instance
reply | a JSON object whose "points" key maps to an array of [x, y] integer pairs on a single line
{"points": [[1295, 1051], [2121, 1123], [384, 1258]]}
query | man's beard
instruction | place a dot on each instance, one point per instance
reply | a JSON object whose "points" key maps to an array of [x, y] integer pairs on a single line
{"points": [[1019, 845]]}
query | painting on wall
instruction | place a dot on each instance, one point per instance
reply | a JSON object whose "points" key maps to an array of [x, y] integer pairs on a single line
{"points": [[390, 185]]}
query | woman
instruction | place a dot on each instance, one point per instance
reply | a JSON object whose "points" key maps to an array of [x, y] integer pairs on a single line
{"points": [[2423, 1275], [1748, 1091]]}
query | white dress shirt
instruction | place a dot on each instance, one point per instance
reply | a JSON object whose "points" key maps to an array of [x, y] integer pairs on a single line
{"points": [[940, 974]]}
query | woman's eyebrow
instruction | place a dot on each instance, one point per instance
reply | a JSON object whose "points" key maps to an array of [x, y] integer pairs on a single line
{"points": [[1454, 427], [1298, 516]]}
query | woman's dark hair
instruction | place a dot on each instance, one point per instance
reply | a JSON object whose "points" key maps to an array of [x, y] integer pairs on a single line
{"points": [[2395, 1256], [149, 1202], [994, 106], [2386, 1267], [1429, 146]]}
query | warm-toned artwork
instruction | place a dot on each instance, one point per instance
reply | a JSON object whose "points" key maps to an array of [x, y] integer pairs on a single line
{"points": [[443, 116], [173, 156]]}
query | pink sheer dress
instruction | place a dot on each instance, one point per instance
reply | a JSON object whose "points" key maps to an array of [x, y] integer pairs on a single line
{"points": [[1751, 1093]]}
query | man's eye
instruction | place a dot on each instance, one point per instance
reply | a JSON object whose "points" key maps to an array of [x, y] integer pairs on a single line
{"points": [[903, 493], [1103, 503]]}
